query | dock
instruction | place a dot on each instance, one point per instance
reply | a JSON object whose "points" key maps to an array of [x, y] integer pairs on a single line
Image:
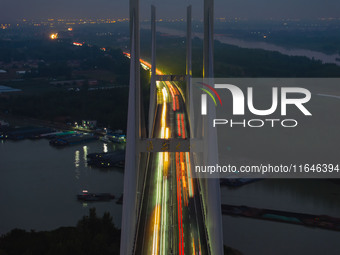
{"points": [[310, 220], [26, 132]]}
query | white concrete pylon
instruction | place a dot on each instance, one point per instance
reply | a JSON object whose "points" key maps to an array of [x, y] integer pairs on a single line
{"points": [[211, 187], [134, 132], [189, 58], [152, 106]]}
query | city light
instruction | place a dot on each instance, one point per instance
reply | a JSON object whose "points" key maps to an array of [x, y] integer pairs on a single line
{"points": [[54, 36], [78, 44]]}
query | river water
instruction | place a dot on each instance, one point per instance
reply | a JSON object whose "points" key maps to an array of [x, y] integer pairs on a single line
{"points": [[320, 197], [324, 58], [39, 184]]}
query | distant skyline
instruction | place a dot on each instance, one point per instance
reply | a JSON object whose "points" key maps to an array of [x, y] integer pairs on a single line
{"points": [[260, 9]]}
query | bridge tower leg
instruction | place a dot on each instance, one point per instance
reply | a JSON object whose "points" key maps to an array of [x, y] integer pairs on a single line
{"points": [[153, 95], [135, 131], [189, 58], [211, 186], [208, 50]]}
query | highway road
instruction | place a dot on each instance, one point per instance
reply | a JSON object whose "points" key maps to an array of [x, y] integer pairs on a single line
{"points": [[171, 220]]}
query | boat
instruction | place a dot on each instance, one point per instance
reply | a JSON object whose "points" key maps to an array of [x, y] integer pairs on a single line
{"points": [[72, 140], [116, 136], [93, 197]]}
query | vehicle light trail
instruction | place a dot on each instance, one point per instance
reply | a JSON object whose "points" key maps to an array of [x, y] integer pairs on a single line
{"points": [[148, 65], [183, 127], [178, 125], [190, 181], [170, 174], [179, 206], [160, 221], [193, 246]]}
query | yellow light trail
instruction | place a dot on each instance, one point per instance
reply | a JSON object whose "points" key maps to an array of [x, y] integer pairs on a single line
{"points": [[148, 65], [160, 221], [190, 181], [193, 246], [155, 246]]}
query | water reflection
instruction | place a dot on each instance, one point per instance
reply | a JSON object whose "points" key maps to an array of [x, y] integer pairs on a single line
{"points": [[105, 149], [118, 146], [77, 159], [85, 155], [76, 164]]}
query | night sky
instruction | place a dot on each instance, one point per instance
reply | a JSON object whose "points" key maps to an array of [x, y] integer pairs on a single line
{"points": [[252, 9]]}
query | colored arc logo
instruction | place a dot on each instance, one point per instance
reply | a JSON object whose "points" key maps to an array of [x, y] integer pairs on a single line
{"points": [[210, 94]]}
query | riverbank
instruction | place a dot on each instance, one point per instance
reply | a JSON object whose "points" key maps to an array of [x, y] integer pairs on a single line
{"points": [[91, 235]]}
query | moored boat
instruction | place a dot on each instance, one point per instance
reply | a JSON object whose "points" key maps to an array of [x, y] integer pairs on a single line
{"points": [[87, 196]]}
